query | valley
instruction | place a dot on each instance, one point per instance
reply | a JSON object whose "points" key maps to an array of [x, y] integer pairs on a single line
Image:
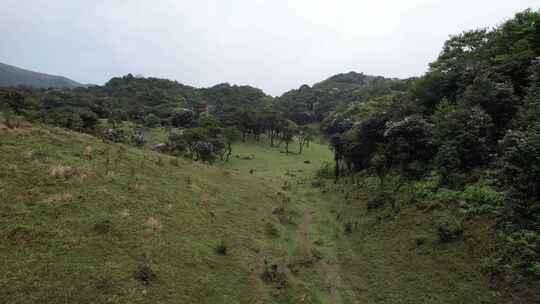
{"points": [[148, 228]]}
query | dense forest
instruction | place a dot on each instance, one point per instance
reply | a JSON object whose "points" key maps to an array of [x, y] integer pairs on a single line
{"points": [[464, 137]]}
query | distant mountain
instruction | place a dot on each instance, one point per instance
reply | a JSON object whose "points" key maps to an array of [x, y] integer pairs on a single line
{"points": [[11, 76]]}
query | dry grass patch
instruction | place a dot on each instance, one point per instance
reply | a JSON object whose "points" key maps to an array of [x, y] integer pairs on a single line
{"points": [[153, 224], [61, 172], [60, 199]]}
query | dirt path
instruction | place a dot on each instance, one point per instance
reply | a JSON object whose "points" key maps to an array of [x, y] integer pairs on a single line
{"points": [[304, 233]]}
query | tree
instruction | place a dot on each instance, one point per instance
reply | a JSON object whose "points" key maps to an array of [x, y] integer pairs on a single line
{"points": [[182, 118], [495, 95], [468, 131], [207, 121], [521, 171], [288, 130], [305, 136], [230, 135], [409, 141], [75, 122]]}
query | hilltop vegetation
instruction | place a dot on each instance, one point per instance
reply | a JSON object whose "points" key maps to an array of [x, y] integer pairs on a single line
{"points": [[312, 104], [11, 76]]}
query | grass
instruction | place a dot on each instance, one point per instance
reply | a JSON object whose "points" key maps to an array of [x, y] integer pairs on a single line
{"points": [[158, 229]]}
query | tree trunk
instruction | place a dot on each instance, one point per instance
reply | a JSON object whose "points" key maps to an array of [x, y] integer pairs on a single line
{"points": [[229, 152]]}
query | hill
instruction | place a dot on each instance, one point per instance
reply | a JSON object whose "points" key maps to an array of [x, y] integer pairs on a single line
{"points": [[310, 104], [11, 76]]}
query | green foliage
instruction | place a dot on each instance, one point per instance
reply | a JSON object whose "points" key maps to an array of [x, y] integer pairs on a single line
{"points": [[521, 171], [311, 104], [207, 121], [464, 135], [151, 121], [325, 171], [449, 229]]}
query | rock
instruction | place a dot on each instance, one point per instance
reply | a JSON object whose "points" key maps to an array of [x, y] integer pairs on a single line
{"points": [[316, 184], [161, 147]]}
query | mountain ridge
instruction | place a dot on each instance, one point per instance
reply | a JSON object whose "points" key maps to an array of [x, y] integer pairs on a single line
{"points": [[12, 76]]}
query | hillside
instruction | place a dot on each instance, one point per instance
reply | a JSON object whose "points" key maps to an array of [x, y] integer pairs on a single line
{"points": [[134, 226], [11, 76]]}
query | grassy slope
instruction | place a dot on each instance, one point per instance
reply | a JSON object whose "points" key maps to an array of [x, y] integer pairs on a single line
{"points": [[52, 251], [81, 239], [379, 262]]}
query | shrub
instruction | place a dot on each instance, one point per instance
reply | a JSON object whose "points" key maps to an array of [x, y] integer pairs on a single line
{"points": [[103, 226], [174, 162], [481, 198], [151, 121], [325, 171], [449, 229], [221, 248], [272, 230], [348, 227], [144, 274], [272, 274], [376, 202]]}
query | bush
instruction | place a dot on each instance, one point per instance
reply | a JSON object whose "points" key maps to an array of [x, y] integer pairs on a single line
{"points": [[174, 162], [151, 121], [449, 229], [481, 198], [272, 230], [376, 202], [144, 274], [221, 248], [103, 226], [325, 171]]}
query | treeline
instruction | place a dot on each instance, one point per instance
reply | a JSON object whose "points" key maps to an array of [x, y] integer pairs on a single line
{"points": [[465, 136], [203, 122]]}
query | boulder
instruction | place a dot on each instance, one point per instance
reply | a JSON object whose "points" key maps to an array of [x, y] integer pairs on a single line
{"points": [[161, 147]]}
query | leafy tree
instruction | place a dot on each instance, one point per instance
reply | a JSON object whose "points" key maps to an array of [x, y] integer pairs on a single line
{"points": [[305, 136], [207, 121], [182, 118], [466, 129], [230, 135], [522, 172], [75, 122], [496, 96], [409, 141], [288, 131]]}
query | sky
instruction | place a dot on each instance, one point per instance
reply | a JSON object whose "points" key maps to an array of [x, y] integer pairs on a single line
{"points": [[276, 45]]}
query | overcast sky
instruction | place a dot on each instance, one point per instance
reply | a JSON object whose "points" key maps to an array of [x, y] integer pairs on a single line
{"points": [[276, 45]]}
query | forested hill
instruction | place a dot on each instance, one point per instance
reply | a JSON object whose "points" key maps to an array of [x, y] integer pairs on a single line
{"points": [[310, 104], [11, 76]]}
